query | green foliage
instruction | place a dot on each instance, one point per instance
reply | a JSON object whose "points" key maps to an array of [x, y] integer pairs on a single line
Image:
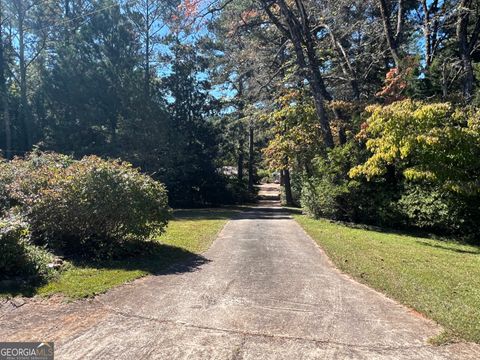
{"points": [[265, 175], [87, 207], [96, 93], [26, 178], [320, 198], [431, 154], [329, 192], [188, 168], [428, 207], [434, 208], [237, 193], [296, 185], [18, 256], [296, 134], [323, 192], [431, 142], [4, 181]]}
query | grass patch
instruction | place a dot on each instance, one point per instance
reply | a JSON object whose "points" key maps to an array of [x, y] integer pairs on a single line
{"points": [[86, 281], [440, 279], [189, 233], [195, 230]]}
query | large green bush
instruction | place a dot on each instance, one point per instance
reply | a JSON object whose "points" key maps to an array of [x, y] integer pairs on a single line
{"points": [[6, 178], [389, 200], [18, 256], [431, 207], [328, 191], [24, 179], [433, 150], [326, 185], [420, 169], [87, 207], [231, 191], [321, 197]]}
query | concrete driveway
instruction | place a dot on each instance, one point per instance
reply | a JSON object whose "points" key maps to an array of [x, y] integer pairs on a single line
{"points": [[266, 292]]}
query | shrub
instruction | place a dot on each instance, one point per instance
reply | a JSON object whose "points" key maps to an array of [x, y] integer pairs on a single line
{"points": [[235, 192], [431, 207], [4, 181], [86, 207], [427, 207], [265, 176], [328, 192], [321, 197], [433, 150], [322, 191], [98, 204], [18, 256], [22, 180]]}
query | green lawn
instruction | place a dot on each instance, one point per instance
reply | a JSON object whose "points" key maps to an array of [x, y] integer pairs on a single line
{"points": [[439, 279], [190, 233]]}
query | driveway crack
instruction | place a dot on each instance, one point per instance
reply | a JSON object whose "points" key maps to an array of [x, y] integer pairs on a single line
{"points": [[254, 334]]}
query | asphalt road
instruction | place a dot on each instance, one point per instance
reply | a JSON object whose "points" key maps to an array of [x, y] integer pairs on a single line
{"points": [[266, 291]]}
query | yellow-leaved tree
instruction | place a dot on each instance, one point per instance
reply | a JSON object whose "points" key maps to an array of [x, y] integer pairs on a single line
{"points": [[436, 143]]}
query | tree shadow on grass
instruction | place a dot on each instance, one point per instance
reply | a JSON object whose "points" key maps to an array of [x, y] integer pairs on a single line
{"points": [[205, 214], [154, 258], [150, 257], [402, 231], [457, 250], [418, 235]]}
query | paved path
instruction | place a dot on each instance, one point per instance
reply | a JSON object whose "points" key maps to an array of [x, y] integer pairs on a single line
{"points": [[267, 292]]}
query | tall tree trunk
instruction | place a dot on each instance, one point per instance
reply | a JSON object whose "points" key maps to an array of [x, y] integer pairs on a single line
{"points": [[444, 81], [322, 115], [468, 76], [241, 141], [393, 39], [427, 34], [250, 157], [320, 92], [463, 48], [300, 35], [4, 93], [23, 113], [431, 26], [466, 44], [287, 187], [240, 160], [147, 53], [8, 127]]}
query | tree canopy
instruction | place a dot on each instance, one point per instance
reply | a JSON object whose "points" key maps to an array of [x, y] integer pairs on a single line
{"points": [[378, 96]]}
